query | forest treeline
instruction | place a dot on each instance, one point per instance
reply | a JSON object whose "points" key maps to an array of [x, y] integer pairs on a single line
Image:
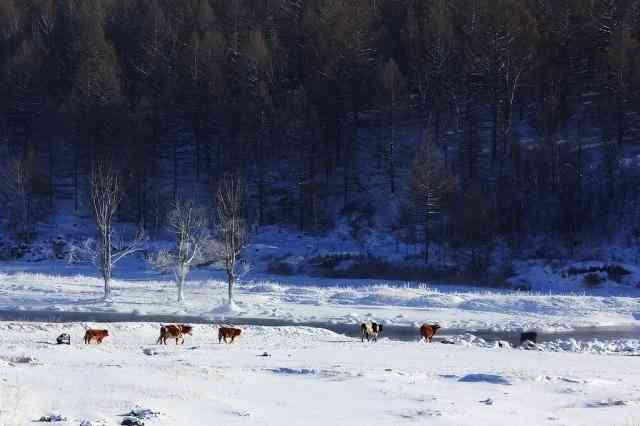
{"points": [[469, 119]]}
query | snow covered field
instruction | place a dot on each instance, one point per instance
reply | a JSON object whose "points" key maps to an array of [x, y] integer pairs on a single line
{"points": [[303, 299], [310, 377]]}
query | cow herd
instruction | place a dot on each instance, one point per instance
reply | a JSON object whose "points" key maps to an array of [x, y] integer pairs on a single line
{"points": [[170, 331], [369, 330]]}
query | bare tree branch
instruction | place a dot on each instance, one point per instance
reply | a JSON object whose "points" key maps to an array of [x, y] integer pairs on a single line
{"points": [[189, 224]]}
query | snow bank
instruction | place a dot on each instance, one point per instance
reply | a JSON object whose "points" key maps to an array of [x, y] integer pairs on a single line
{"points": [[303, 299], [595, 346]]}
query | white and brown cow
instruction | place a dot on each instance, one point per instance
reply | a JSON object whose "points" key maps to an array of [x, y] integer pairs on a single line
{"points": [[370, 330], [176, 331]]}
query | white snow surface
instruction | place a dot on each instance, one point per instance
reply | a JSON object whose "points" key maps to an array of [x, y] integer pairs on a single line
{"points": [[302, 376], [55, 288]]}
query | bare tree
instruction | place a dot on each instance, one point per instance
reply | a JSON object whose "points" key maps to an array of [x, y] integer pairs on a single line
{"points": [[106, 194], [189, 225], [231, 226]]}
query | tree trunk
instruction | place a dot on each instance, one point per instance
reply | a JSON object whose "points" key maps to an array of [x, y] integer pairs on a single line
{"points": [[196, 154], [51, 172], [437, 135], [391, 153], [76, 166], [175, 170], [426, 239], [349, 156], [107, 287], [260, 171], [181, 279], [494, 136], [470, 148], [140, 197], [230, 279], [619, 120], [106, 262]]}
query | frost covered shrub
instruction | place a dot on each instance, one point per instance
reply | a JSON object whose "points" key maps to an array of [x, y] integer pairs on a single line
{"points": [[162, 260], [82, 253], [592, 280]]}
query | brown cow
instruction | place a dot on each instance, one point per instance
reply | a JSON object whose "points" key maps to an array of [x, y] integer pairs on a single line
{"points": [[176, 331], [228, 332], [98, 335], [428, 331]]}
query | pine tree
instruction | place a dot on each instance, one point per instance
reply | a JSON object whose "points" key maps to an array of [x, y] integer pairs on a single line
{"points": [[429, 185]]}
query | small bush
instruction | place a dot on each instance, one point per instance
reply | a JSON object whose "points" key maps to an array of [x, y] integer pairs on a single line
{"points": [[358, 266], [614, 272], [526, 287], [279, 267], [592, 280], [59, 248]]}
